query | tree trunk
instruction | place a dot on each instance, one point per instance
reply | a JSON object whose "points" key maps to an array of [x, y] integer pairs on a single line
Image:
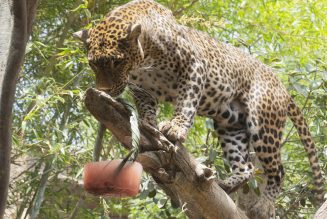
{"points": [[189, 185], [16, 21]]}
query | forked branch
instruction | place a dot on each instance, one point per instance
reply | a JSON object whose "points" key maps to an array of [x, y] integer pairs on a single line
{"points": [[189, 184]]}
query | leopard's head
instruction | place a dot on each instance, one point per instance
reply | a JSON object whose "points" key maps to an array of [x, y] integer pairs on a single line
{"points": [[112, 45]]}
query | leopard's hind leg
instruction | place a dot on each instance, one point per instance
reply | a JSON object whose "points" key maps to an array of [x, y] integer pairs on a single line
{"points": [[235, 147], [265, 124], [266, 130], [234, 139]]}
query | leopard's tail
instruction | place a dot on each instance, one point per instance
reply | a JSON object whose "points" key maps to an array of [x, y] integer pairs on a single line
{"points": [[295, 114]]}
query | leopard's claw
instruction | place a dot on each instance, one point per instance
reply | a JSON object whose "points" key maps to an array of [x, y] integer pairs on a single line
{"points": [[172, 131]]}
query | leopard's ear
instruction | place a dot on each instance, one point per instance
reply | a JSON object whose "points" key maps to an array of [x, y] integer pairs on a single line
{"points": [[82, 35], [134, 31]]}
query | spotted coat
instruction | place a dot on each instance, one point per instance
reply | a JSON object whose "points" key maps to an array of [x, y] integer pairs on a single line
{"points": [[140, 44]]}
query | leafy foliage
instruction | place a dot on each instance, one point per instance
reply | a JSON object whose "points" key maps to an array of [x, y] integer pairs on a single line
{"points": [[54, 135]]}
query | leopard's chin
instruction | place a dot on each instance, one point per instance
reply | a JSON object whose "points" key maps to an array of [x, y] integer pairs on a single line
{"points": [[116, 91]]}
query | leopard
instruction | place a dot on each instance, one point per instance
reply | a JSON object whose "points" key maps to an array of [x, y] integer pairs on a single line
{"points": [[141, 45]]}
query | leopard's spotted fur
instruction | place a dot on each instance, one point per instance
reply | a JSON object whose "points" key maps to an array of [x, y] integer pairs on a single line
{"points": [[141, 43]]}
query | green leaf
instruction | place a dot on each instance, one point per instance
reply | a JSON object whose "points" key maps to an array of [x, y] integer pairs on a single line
{"points": [[81, 6], [79, 173], [162, 202], [257, 191], [87, 13], [226, 166], [209, 124], [69, 64], [246, 188], [152, 193], [144, 194], [253, 183], [212, 155], [29, 46], [303, 202]]}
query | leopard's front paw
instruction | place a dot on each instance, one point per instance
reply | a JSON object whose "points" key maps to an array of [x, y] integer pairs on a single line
{"points": [[173, 131]]}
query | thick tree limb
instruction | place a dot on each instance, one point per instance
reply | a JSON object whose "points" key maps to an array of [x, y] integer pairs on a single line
{"points": [[16, 21], [189, 185]]}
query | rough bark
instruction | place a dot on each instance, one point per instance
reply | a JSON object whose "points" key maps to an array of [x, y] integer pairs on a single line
{"points": [[189, 185], [16, 20]]}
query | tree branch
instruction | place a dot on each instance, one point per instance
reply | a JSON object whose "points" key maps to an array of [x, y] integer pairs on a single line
{"points": [[98, 142], [186, 182], [16, 22]]}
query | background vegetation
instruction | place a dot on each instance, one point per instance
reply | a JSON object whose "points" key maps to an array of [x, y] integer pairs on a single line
{"points": [[54, 135]]}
